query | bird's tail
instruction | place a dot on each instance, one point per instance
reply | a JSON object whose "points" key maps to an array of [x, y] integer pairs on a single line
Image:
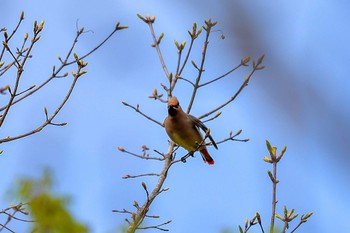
{"points": [[206, 157]]}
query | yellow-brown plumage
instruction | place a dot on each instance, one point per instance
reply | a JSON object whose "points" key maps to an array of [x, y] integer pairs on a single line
{"points": [[183, 129]]}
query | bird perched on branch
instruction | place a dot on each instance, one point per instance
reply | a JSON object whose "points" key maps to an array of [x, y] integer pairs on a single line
{"points": [[183, 129]]}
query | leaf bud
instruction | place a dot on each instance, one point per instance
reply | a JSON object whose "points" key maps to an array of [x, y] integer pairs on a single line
{"points": [[267, 159]]}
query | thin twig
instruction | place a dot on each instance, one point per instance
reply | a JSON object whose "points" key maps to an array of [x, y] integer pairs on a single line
{"points": [[127, 176], [244, 84], [274, 197], [201, 68], [179, 72], [143, 114], [65, 62], [51, 118], [156, 45], [4, 226], [117, 28], [20, 66], [144, 156], [124, 211], [158, 227], [186, 80], [232, 138], [213, 118], [13, 33], [220, 77], [16, 209]]}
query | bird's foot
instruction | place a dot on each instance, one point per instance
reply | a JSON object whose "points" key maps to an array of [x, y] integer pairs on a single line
{"points": [[183, 159]]}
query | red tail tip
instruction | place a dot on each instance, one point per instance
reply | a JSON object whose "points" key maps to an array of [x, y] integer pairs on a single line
{"points": [[206, 157], [210, 162]]}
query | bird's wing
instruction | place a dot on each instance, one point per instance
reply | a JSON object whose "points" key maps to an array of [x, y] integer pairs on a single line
{"points": [[202, 126]]}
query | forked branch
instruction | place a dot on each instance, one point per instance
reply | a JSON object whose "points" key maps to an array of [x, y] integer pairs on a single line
{"points": [[21, 55]]}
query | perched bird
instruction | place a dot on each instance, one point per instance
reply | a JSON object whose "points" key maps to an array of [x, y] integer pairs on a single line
{"points": [[183, 129]]}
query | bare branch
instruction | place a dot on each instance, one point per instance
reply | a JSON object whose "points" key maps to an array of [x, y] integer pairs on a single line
{"points": [[16, 209], [143, 114], [194, 35], [244, 84], [144, 156], [213, 118], [4, 226], [233, 138], [37, 29], [124, 211], [303, 219], [142, 211], [222, 76], [156, 226], [156, 41], [186, 80], [65, 62], [127, 176], [51, 118], [117, 28], [13, 33], [208, 28]]}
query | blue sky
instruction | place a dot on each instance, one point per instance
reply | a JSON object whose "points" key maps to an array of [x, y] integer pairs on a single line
{"points": [[300, 100]]}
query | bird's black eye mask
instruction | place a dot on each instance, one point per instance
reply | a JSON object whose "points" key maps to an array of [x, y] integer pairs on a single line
{"points": [[172, 109]]}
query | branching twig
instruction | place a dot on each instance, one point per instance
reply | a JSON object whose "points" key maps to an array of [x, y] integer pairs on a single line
{"points": [[20, 66], [209, 26], [16, 209], [213, 118], [273, 159], [194, 35], [8, 37], [144, 156], [156, 41], [66, 62], [303, 219], [243, 63], [248, 224], [137, 109], [233, 138], [23, 54], [49, 120], [244, 84], [158, 227], [137, 218]]}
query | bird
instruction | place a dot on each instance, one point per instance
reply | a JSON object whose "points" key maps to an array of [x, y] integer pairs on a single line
{"points": [[183, 129]]}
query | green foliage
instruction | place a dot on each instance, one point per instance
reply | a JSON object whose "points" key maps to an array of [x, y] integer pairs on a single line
{"points": [[48, 210]]}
